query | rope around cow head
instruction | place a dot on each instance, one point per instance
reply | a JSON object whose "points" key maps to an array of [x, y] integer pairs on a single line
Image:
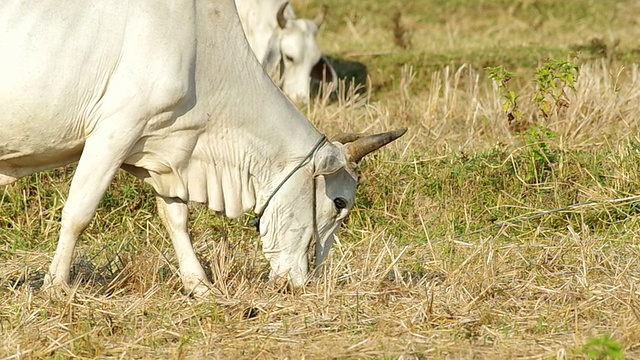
{"points": [[258, 214]]}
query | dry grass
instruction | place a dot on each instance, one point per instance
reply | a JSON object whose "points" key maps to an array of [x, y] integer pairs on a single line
{"points": [[513, 292], [487, 299], [410, 278], [460, 108]]}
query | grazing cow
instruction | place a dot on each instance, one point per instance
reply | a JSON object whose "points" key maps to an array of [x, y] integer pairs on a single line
{"points": [[286, 46], [169, 91]]}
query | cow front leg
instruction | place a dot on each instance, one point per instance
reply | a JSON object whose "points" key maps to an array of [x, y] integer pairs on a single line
{"points": [[103, 154], [175, 215]]}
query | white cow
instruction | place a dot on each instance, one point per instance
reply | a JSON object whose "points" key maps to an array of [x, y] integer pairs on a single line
{"points": [[285, 45], [169, 91]]}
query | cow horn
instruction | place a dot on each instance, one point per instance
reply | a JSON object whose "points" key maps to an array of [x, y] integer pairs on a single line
{"points": [[319, 19], [282, 21], [359, 148], [345, 138]]}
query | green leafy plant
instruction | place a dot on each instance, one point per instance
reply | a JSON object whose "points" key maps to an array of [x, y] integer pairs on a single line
{"points": [[553, 79], [501, 77], [536, 138], [540, 153], [602, 347]]}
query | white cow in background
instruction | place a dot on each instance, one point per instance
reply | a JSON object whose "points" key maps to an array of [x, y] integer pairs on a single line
{"points": [[286, 46], [169, 91]]}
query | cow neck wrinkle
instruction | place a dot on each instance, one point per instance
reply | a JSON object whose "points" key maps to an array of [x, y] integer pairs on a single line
{"points": [[298, 167]]}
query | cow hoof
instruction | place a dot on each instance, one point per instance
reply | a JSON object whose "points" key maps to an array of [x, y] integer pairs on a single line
{"points": [[52, 281], [59, 290], [201, 291]]}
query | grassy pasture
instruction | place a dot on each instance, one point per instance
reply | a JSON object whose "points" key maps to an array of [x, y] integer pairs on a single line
{"points": [[469, 239]]}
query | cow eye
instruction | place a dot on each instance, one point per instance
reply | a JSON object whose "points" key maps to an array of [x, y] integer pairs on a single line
{"points": [[340, 203], [288, 58]]}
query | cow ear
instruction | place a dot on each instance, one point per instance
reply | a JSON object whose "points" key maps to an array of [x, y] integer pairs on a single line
{"points": [[329, 159], [319, 19], [272, 59]]}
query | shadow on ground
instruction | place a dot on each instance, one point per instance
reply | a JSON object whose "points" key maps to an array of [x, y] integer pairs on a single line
{"points": [[351, 76]]}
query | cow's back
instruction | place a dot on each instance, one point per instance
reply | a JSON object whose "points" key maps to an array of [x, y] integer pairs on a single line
{"points": [[178, 72], [66, 66], [50, 65]]}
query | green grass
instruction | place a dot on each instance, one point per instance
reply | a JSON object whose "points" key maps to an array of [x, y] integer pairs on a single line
{"points": [[468, 240], [516, 34]]}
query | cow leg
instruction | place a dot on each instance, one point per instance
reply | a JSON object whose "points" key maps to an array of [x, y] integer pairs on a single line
{"points": [[174, 214], [6, 180], [101, 157]]}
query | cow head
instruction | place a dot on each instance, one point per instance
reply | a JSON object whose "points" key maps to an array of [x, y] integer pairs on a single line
{"points": [[294, 59], [312, 203]]}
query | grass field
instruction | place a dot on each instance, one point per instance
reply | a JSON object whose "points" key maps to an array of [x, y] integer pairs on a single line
{"points": [[487, 231]]}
